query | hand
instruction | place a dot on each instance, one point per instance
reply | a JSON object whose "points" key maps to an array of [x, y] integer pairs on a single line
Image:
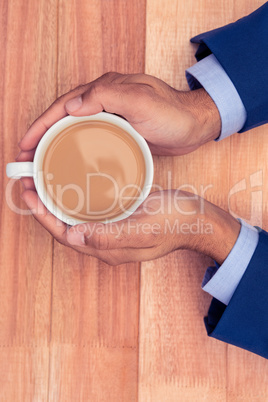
{"points": [[166, 221], [173, 122]]}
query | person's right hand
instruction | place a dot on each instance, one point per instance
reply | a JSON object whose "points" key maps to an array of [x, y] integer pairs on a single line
{"points": [[173, 122]]}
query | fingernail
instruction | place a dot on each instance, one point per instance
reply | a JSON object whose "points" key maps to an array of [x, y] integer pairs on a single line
{"points": [[73, 104], [75, 238]]}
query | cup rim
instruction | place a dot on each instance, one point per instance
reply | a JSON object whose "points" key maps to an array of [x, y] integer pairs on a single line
{"points": [[67, 121]]}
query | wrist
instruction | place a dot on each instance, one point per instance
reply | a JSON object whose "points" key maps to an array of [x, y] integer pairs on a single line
{"points": [[216, 235], [206, 116], [225, 230]]}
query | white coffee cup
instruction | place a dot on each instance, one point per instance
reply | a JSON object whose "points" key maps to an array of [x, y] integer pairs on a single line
{"points": [[16, 170]]}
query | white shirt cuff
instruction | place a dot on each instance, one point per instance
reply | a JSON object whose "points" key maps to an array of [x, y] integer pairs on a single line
{"points": [[209, 74], [222, 281]]}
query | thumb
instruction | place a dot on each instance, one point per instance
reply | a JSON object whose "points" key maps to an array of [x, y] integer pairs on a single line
{"points": [[81, 106], [100, 96], [74, 104]]}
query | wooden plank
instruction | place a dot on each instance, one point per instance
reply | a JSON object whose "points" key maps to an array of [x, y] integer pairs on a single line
{"points": [[193, 367], [95, 310], [95, 373], [28, 50], [177, 360], [24, 373]]}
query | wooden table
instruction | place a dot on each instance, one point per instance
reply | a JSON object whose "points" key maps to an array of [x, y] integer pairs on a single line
{"points": [[71, 327]]}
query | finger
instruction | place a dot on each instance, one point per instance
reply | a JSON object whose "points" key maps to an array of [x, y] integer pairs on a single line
{"points": [[89, 102], [105, 93], [27, 183], [128, 233], [53, 225], [121, 256], [111, 93], [96, 99], [158, 150], [128, 255], [54, 113], [24, 156], [41, 125], [116, 256], [58, 230], [164, 151], [174, 151]]}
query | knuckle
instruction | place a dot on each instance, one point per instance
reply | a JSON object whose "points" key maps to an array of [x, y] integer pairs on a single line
{"points": [[140, 92], [81, 89], [72, 93], [60, 99], [98, 88], [110, 75], [144, 90]]}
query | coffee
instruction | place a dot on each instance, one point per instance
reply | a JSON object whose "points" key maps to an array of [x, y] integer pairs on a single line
{"points": [[93, 170]]}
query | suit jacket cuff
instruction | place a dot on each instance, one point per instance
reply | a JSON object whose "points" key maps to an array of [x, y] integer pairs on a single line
{"points": [[244, 322], [209, 74], [222, 281]]}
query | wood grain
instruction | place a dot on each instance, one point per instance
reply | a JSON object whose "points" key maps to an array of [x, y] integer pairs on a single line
{"points": [[28, 52], [95, 308], [71, 327], [177, 360]]}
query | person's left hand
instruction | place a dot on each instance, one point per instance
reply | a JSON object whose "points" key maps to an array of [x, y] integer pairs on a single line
{"points": [[172, 122], [166, 221]]}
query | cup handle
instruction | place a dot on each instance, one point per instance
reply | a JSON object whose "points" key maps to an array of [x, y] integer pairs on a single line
{"points": [[16, 170]]}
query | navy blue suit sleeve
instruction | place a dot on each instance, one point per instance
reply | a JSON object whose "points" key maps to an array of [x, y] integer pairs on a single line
{"points": [[241, 48], [244, 322]]}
